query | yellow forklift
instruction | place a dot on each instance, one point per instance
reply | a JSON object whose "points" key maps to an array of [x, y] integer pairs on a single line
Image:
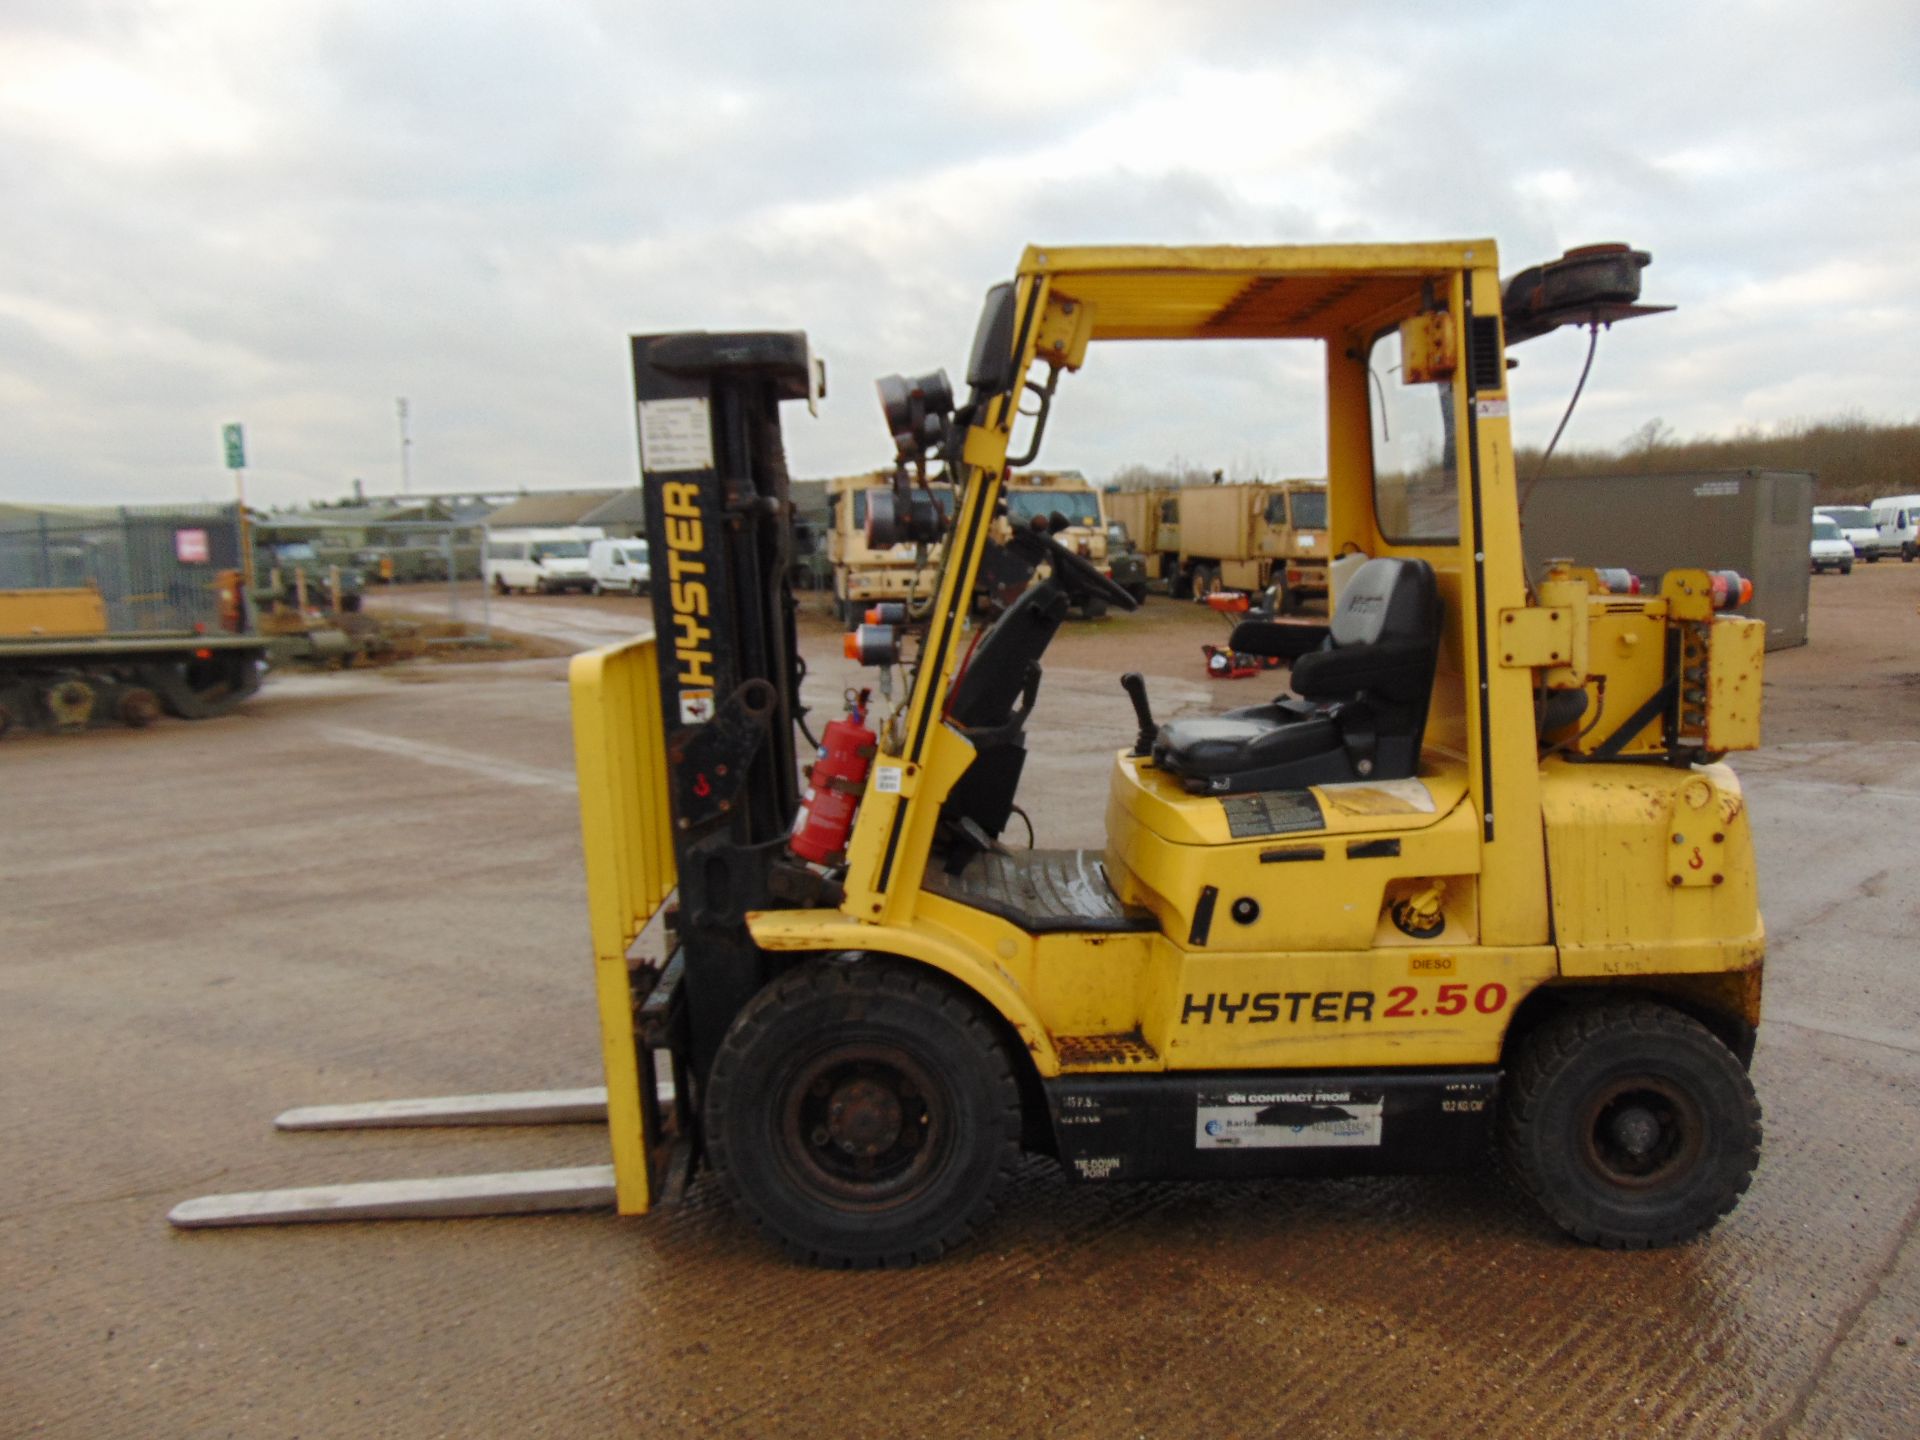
{"points": [[1480, 881]]}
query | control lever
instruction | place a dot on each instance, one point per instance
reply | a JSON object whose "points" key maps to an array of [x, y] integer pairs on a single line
{"points": [[1136, 689]]}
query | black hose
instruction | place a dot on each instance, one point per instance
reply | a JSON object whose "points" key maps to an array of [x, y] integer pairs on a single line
{"points": [[1029, 823], [1593, 343]]}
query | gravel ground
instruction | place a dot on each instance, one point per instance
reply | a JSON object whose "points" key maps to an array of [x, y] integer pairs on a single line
{"points": [[368, 885]]}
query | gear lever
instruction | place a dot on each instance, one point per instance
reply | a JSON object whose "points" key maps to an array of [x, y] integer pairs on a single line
{"points": [[1136, 689]]}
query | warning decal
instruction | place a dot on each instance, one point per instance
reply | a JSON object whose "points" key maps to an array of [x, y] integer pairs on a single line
{"points": [[1267, 1120], [675, 435]]}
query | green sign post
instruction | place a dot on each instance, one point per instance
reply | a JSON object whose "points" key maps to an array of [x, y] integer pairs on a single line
{"points": [[234, 438]]}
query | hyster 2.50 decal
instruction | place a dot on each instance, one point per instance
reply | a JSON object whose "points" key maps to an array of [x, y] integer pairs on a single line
{"points": [[1338, 1007], [1266, 1120]]}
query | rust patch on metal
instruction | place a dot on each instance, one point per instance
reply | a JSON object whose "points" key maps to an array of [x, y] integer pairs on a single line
{"points": [[1127, 1047]]}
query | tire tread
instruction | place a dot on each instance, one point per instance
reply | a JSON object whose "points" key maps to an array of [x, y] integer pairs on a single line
{"points": [[1548, 1051], [869, 978]]}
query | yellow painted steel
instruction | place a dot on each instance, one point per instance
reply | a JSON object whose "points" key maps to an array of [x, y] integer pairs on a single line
{"points": [[986, 954], [1477, 859], [1653, 870], [78, 611], [1430, 908], [1736, 650], [627, 841]]}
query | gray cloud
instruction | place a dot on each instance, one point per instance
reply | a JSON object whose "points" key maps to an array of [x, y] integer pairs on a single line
{"points": [[291, 214]]}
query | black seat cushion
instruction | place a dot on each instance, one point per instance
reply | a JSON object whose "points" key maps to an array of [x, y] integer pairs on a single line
{"points": [[1222, 746], [1364, 700]]}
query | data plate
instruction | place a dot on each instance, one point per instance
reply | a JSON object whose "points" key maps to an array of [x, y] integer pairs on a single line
{"points": [[1272, 812]]}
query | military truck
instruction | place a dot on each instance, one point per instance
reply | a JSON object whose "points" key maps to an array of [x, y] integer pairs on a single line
{"points": [[864, 574], [298, 574], [1126, 566], [1255, 537], [1033, 498], [1152, 518]]}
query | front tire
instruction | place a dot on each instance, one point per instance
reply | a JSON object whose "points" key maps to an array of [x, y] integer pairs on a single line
{"points": [[863, 1115], [1846, 567], [1631, 1125]]}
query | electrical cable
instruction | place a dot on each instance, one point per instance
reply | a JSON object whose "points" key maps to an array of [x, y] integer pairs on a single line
{"points": [[1029, 823], [799, 710], [1593, 343]]}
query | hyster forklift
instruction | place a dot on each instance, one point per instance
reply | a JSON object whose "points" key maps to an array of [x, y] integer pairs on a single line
{"points": [[1479, 880]]}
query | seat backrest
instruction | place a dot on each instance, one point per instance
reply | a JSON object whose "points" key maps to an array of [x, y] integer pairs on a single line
{"points": [[1387, 599]]}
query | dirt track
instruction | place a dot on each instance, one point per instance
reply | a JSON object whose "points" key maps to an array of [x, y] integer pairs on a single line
{"points": [[369, 885]]}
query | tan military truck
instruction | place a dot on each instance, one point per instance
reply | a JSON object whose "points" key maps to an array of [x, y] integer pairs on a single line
{"points": [[1034, 497], [1152, 518], [864, 575], [1253, 537]]}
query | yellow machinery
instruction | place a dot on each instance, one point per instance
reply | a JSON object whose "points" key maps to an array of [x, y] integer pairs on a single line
{"points": [[1481, 880], [148, 632]]}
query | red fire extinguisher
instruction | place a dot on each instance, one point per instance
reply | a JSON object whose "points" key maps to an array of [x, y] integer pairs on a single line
{"points": [[836, 782]]}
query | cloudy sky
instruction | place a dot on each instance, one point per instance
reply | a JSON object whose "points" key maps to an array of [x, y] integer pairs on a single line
{"points": [[291, 212]]}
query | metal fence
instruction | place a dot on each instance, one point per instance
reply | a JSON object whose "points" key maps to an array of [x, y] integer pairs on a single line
{"points": [[154, 566]]}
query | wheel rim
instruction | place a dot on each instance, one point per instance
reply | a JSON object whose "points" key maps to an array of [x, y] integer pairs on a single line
{"points": [[864, 1124], [1642, 1132]]}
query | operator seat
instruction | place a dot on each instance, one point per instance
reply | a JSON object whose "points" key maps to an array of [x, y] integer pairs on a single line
{"points": [[1363, 696]]}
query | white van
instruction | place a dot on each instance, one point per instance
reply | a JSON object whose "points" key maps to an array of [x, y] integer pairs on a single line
{"points": [[619, 565], [1896, 522], [547, 561], [1857, 528]]}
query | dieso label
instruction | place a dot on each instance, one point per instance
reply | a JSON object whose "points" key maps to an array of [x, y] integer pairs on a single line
{"points": [[1267, 1120]]}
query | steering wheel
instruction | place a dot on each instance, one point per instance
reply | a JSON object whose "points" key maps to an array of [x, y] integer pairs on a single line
{"points": [[1075, 572]]}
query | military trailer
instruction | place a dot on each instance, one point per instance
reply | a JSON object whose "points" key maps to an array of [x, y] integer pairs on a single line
{"points": [[115, 616]]}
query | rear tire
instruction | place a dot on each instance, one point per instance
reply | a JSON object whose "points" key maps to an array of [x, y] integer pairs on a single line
{"points": [[1631, 1125], [863, 1115], [500, 586]]}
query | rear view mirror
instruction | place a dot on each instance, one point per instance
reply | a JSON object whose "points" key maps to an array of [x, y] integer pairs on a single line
{"points": [[990, 367]]}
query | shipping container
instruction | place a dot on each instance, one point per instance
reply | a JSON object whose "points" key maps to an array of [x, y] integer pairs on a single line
{"points": [[1758, 522]]}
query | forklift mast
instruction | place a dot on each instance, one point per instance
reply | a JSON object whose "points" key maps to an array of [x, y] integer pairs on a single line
{"points": [[719, 523]]}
